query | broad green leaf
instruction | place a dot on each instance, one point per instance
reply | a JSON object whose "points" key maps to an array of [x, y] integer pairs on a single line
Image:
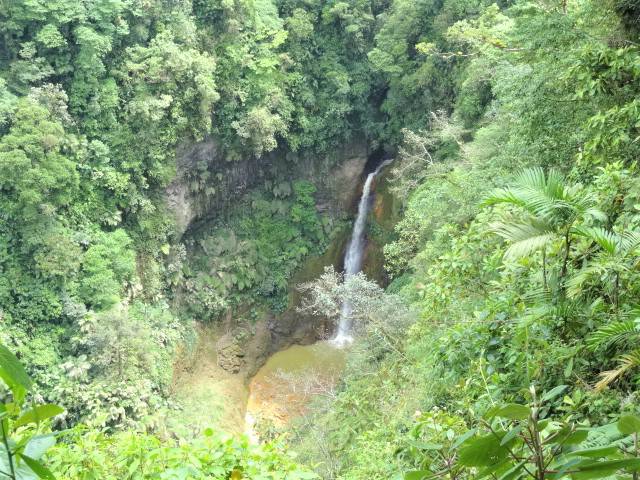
{"points": [[38, 445], [568, 369], [513, 471], [596, 452], [40, 470], [134, 466], [482, 451], [512, 411], [629, 424], [39, 414], [417, 475], [511, 434], [606, 468], [464, 437], [4, 460], [575, 437], [553, 393], [562, 469], [489, 414], [428, 446], [542, 424], [13, 373], [495, 470]]}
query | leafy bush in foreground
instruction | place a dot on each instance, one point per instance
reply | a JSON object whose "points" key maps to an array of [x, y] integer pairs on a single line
{"points": [[83, 453]]}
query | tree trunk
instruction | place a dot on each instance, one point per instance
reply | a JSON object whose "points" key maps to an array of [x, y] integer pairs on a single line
{"points": [[544, 268], [565, 261]]}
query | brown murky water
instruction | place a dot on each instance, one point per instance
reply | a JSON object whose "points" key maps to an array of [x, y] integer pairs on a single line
{"points": [[291, 378]]}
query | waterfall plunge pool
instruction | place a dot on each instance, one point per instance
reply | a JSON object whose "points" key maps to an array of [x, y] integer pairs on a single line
{"points": [[289, 381], [283, 388]]}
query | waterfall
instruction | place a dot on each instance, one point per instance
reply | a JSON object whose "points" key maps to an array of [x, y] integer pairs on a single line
{"points": [[354, 253]]}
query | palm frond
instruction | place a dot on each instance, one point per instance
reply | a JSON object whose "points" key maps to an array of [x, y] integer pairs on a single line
{"points": [[609, 241], [534, 315], [525, 238], [631, 312], [545, 195], [555, 186], [538, 295], [539, 203], [595, 213], [584, 201], [630, 241], [504, 195], [524, 248], [626, 362], [516, 232], [534, 178], [533, 189], [613, 333]]}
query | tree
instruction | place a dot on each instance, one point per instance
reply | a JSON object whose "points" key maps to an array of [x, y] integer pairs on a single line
{"points": [[611, 265], [39, 186], [259, 128], [551, 209], [106, 267], [624, 331], [378, 317], [419, 154], [118, 345], [36, 176]]}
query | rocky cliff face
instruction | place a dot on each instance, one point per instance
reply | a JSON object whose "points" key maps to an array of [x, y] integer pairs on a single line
{"points": [[205, 186], [206, 183]]}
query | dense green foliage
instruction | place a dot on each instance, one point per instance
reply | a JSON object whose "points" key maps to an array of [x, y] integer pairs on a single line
{"points": [[514, 266], [97, 288], [255, 252], [95, 100], [88, 455], [25, 436], [518, 252]]}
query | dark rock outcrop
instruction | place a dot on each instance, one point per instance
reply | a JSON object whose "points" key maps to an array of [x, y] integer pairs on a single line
{"points": [[206, 183]]}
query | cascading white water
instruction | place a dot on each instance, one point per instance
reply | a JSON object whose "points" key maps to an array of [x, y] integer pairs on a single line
{"points": [[353, 255]]}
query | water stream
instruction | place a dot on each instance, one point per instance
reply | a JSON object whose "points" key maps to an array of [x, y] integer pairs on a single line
{"points": [[291, 378], [353, 255]]}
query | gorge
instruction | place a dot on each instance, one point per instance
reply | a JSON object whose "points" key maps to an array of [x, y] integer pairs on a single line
{"points": [[210, 268], [354, 253], [291, 378]]}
